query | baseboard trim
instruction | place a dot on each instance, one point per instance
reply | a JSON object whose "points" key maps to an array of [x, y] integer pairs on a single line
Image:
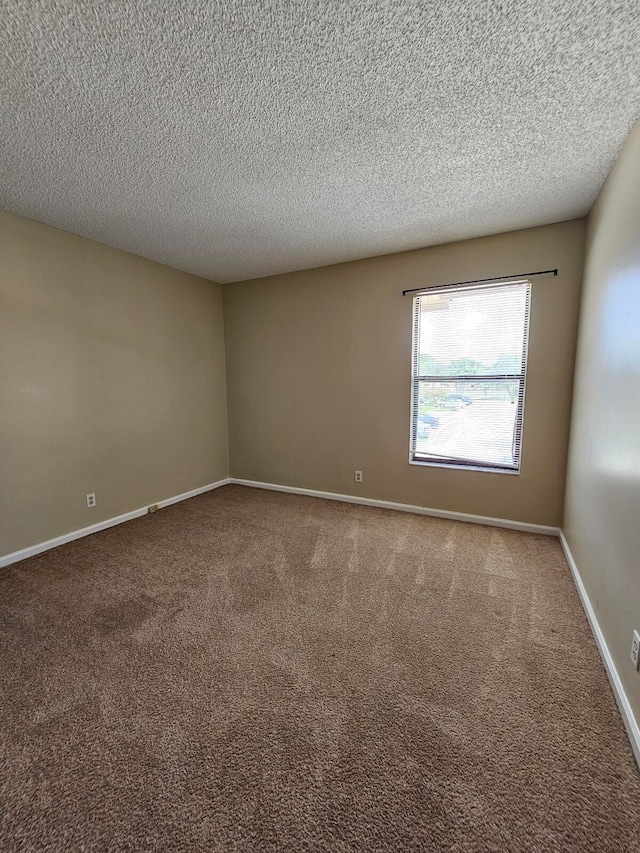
{"points": [[193, 493], [524, 526], [32, 550], [626, 711]]}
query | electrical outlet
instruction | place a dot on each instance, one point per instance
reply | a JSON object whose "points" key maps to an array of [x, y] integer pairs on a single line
{"points": [[91, 500], [635, 650], [358, 476], [153, 508]]}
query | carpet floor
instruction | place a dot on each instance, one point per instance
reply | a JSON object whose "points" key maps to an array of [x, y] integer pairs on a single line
{"points": [[257, 671]]}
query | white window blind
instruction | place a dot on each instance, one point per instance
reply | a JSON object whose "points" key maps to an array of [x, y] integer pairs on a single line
{"points": [[468, 375]]}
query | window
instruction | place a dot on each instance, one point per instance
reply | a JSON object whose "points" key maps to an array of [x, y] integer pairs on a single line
{"points": [[468, 375]]}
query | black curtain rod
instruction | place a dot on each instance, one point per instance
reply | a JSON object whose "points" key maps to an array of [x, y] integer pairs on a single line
{"points": [[482, 280]]}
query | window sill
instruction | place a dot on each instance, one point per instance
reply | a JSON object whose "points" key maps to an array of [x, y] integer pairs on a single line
{"points": [[424, 464]]}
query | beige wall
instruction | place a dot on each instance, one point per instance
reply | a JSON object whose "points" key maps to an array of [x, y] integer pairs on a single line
{"points": [[602, 513], [318, 372], [112, 381]]}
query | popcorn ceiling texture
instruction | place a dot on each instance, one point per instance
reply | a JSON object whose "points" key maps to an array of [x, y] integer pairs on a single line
{"points": [[248, 137]]}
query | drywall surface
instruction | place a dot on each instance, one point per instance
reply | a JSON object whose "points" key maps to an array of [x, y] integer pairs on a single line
{"points": [[319, 375], [112, 381], [602, 512]]}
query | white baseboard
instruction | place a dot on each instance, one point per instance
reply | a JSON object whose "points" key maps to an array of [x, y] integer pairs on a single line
{"points": [[193, 493], [626, 711], [420, 510], [32, 550], [629, 720]]}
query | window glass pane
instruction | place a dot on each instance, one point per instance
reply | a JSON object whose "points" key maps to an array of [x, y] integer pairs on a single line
{"points": [[472, 332], [469, 364], [470, 421]]}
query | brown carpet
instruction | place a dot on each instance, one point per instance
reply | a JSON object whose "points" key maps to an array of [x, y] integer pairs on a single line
{"points": [[258, 671]]}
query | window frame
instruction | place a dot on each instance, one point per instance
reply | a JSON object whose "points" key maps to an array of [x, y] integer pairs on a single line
{"points": [[459, 463]]}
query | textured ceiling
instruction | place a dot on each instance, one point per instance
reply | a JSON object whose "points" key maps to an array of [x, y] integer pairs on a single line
{"points": [[246, 137]]}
